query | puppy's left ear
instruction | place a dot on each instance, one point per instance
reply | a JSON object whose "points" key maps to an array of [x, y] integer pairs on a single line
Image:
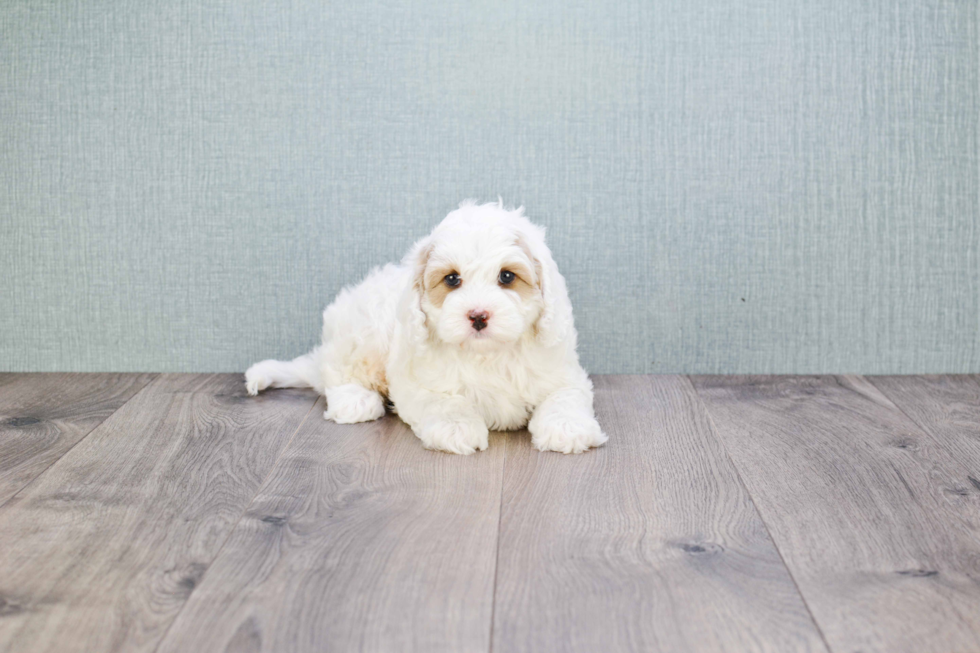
{"points": [[410, 310], [555, 325]]}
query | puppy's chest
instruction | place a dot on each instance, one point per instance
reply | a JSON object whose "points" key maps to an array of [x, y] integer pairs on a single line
{"points": [[503, 390], [502, 407]]}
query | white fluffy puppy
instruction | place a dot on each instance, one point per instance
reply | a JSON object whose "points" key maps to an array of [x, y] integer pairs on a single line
{"points": [[473, 331]]}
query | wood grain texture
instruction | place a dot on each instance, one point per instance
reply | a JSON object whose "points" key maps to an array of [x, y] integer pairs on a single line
{"points": [[360, 541], [44, 415], [650, 543], [101, 551], [946, 407], [865, 508]]}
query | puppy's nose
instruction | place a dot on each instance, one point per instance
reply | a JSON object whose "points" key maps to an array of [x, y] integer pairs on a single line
{"points": [[478, 319]]}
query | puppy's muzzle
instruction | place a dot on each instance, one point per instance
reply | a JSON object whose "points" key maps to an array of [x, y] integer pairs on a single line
{"points": [[478, 319]]}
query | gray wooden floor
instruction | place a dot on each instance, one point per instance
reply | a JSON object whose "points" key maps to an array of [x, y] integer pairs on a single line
{"points": [[174, 513]]}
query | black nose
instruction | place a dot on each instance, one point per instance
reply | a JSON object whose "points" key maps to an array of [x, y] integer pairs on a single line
{"points": [[478, 319]]}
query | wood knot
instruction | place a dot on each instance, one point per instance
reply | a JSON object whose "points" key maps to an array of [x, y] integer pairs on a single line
{"points": [[698, 548], [191, 576], [9, 606], [918, 573], [21, 422], [232, 397]]}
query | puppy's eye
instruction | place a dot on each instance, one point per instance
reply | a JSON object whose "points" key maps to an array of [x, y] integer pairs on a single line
{"points": [[452, 280], [507, 277]]}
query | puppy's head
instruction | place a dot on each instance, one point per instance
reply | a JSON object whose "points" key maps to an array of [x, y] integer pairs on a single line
{"points": [[484, 279]]}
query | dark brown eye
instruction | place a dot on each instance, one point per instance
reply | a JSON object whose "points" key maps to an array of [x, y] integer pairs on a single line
{"points": [[452, 280], [507, 277]]}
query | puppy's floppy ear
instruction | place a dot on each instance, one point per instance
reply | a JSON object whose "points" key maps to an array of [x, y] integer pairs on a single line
{"points": [[411, 314], [555, 323]]}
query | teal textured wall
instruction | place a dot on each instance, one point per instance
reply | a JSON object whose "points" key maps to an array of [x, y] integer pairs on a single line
{"points": [[744, 186]]}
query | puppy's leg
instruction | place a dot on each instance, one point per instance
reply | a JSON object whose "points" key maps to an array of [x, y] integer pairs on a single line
{"points": [[565, 422], [443, 422], [298, 373], [351, 403]]}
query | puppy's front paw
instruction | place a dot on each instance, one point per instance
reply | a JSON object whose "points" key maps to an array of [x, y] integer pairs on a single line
{"points": [[565, 433], [462, 436], [351, 403]]}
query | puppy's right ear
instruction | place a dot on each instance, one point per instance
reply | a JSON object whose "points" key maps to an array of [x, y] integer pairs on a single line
{"points": [[410, 311], [555, 323]]}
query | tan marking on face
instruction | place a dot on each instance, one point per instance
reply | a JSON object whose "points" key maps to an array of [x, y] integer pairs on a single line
{"points": [[436, 289], [524, 282]]}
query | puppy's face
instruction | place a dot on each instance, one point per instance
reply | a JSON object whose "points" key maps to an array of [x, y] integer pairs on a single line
{"points": [[480, 286]]}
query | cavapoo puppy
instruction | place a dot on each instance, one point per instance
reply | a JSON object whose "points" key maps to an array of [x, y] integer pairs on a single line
{"points": [[473, 331]]}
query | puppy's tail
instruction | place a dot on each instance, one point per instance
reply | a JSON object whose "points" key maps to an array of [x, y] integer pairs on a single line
{"points": [[298, 373]]}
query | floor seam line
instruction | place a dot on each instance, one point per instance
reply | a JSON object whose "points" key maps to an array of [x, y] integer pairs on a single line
{"points": [[496, 563], [80, 440], [922, 428], [755, 506]]}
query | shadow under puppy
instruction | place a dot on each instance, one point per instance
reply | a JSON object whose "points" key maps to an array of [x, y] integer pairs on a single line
{"points": [[472, 331]]}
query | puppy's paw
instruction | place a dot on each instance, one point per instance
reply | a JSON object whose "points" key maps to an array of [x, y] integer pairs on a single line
{"points": [[462, 436], [566, 433], [257, 378], [351, 403]]}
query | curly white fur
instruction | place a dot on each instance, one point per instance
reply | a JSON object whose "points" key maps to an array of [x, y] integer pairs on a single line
{"points": [[406, 334]]}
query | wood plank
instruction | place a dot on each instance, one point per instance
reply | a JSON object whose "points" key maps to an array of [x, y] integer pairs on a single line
{"points": [[863, 507], [946, 407], [101, 551], [361, 541], [650, 543], [44, 415]]}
